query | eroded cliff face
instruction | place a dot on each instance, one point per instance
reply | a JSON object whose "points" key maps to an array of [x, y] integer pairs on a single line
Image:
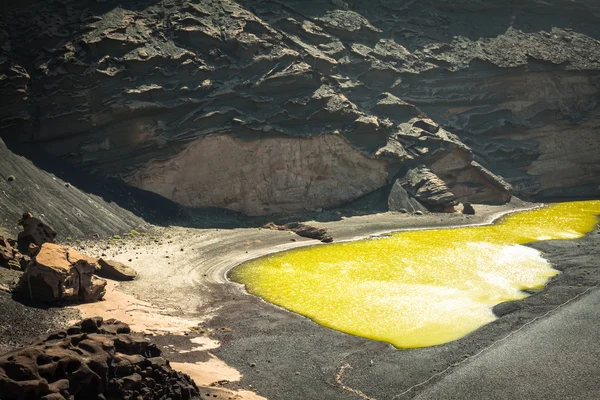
{"points": [[484, 94], [264, 176]]}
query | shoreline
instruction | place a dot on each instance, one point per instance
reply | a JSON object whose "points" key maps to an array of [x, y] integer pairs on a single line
{"points": [[493, 219], [356, 359], [184, 300]]}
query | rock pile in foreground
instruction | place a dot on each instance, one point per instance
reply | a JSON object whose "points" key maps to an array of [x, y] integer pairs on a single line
{"points": [[58, 274], [93, 360]]}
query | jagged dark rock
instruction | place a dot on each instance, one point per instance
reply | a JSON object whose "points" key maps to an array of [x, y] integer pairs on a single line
{"points": [[94, 359], [428, 189], [399, 200], [303, 230], [468, 209], [326, 101], [34, 231]]}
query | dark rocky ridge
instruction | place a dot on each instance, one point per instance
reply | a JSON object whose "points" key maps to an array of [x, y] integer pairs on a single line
{"points": [[93, 359], [334, 94]]}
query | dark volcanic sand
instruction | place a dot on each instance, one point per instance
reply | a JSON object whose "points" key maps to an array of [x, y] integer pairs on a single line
{"points": [[285, 356], [21, 323], [298, 359]]}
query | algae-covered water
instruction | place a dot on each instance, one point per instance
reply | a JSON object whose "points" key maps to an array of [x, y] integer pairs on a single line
{"points": [[418, 288]]}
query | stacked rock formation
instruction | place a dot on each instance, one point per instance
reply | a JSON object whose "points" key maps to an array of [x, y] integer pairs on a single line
{"points": [[93, 359], [10, 256], [308, 103], [35, 231]]}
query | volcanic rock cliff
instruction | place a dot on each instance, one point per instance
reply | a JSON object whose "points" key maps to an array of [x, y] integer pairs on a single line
{"points": [[280, 105]]}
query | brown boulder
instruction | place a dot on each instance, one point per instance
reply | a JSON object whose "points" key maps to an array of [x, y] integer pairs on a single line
{"points": [[10, 257], [61, 274], [115, 270], [35, 231], [94, 359]]}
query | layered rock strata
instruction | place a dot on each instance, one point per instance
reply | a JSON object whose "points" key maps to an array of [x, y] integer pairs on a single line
{"points": [[136, 91], [67, 208]]}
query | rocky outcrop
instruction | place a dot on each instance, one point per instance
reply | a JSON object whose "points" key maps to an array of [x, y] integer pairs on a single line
{"points": [[428, 189], [469, 180], [10, 257], [136, 91], [58, 274], [34, 231], [115, 270], [303, 230], [400, 200], [264, 176], [94, 359]]}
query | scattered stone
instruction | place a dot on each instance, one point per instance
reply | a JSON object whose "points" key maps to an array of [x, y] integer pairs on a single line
{"points": [[115, 270], [58, 274], [34, 231], [94, 359], [468, 209], [419, 212]]}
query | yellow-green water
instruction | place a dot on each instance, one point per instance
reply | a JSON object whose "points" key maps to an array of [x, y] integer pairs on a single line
{"points": [[418, 288]]}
